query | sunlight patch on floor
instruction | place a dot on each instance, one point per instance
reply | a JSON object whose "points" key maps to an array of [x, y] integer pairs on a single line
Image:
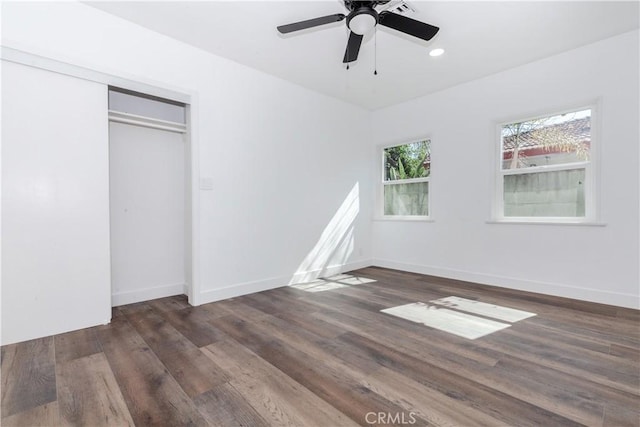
{"points": [[482, 308], [455, 318], [453, 322], [333, 282]]}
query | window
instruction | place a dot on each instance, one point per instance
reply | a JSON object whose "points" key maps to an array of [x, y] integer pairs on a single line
{"points": [[545, 168], [405, 185]]}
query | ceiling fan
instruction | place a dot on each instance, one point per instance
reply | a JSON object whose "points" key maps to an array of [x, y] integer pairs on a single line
{"points": [[362, 18]]}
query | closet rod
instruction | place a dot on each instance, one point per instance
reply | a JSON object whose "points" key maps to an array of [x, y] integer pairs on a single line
{"points": [[133, 119]]}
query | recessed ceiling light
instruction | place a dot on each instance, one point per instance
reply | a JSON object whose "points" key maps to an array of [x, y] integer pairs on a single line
{"points": [[436, 52]]}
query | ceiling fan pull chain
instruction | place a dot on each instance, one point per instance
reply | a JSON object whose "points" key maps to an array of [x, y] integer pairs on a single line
{"points": [[375, 51], [347, 55]]}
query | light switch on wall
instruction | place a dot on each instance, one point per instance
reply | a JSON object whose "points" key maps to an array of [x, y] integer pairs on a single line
{"points": [[206, 183]]}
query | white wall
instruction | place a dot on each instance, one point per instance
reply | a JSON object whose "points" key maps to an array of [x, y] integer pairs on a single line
{"points": [[283, 159], [55, 204], [585, 262], [292, 170]]}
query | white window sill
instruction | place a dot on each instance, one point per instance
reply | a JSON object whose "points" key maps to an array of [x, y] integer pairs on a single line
{"points": [[549, 222], [404, 218]]}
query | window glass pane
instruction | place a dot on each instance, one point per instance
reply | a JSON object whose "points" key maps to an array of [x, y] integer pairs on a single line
{"points": [[545, 194], [407, 161], [552, 140], [407, 199]]}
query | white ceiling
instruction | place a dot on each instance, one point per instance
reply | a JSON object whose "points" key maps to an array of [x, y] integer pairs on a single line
{"points": [[480, 38]]}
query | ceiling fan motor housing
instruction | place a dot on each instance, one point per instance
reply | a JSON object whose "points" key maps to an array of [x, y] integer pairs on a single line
{"points": [[355, 4], [362, 19]]}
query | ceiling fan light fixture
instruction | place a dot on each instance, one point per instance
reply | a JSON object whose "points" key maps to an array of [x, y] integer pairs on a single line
{"points": [[362, 20]]}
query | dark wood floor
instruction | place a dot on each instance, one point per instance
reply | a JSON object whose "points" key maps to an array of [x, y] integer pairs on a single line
{"points": [[290, 357]]}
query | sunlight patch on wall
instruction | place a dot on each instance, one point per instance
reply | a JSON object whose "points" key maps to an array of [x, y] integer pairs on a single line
{"points": [[336, 243], [333, 282]]}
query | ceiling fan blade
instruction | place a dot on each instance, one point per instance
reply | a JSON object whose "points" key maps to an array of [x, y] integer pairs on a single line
{"points": [[310, 23], [407, 25], [353, 47]]}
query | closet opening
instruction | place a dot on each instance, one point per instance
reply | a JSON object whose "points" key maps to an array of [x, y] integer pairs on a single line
{"points": [[149, 194]]}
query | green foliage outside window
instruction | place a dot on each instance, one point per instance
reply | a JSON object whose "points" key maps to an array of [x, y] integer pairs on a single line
{"points": [[407, 161]]}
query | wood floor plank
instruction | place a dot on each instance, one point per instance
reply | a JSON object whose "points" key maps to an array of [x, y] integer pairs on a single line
{"points": [[588, 319], [533, 352], [616, 416], [588, 359], [177, 302], [434, 406], [626, 353], [116, 311], [328, 351], [223, 406], [152, 395], [550, 398], [350, 398], [557, 338], [28, 375], [337, 299], [569, 328], [159, 334], [76, 344], [627, 314], [495, 403], [435, 344], [214, 310], [619, 332], [553, 399], [135, 308], [291, 357], [194, 372], [581, 387], [294, 311], [582, 355], [46, 415], [530, 297], [235, 306], [193, 323], [274, 395], [381, 298], [88, 394], [264, 302]]}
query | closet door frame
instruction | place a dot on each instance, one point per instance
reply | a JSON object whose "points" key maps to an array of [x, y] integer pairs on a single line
{"points": [[168, 91]]}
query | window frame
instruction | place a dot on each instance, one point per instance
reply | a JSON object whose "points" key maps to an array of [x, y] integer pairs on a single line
{"points": [[590, 167], [382, 183]]}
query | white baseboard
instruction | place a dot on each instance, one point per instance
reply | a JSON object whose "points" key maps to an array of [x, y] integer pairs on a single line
{"points": [[307, 276], [212, 295], [555, 289], [246, 288], [146, 294]]}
